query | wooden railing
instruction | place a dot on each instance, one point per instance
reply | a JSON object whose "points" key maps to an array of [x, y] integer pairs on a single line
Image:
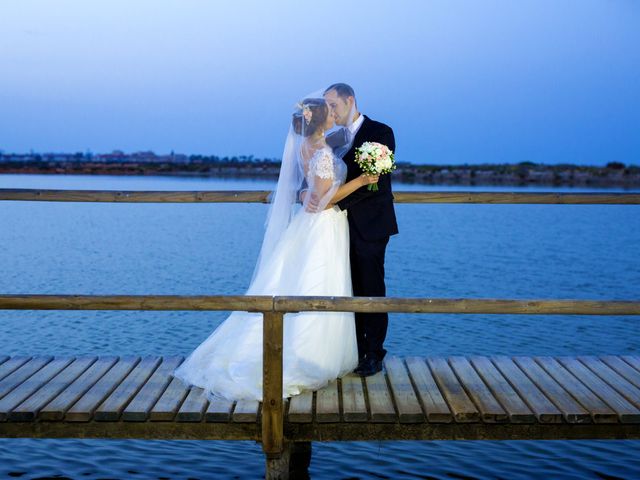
{"points": [[255, 196], [263, 303], [274, 308]]}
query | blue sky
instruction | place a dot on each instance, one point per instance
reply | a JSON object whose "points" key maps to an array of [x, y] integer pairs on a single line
{"points": [[549, 81]]}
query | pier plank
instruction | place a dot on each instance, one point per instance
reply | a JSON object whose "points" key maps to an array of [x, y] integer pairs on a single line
{"points": [[516, 408], [11, 365], [82, 410], [28, 410], [613, 378], [623, 368], [56, 408], [301, 408], [328, 403], [571, 410], [22, 373], [544, 410], [194, 406], [166, 408], [406, 401], [3, 358], [354, 408], [464, 411], [31, 385], [379, 397], [632, 360], [111, 408], [490, 409], [626, 412], [219, 410], [600, 412], [246, 411], [433, 403], [139, 408]]}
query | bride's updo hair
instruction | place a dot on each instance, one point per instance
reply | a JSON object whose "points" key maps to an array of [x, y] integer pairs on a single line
{"points": [[317, 109]]}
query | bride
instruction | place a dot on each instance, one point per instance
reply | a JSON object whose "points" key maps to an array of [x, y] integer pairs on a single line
{"points": [[305, 251]]}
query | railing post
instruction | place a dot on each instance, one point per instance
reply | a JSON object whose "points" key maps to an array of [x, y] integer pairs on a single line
{"points": [[272, 404]]}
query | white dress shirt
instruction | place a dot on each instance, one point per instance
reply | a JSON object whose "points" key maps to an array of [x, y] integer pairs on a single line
{"points": [[355, 126]]}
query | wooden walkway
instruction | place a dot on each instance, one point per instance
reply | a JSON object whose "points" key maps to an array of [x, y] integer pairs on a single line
{"points": [[416, 398]]}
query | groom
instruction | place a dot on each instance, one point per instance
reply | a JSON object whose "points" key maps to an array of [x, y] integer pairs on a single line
{"points": [[372, 221]]}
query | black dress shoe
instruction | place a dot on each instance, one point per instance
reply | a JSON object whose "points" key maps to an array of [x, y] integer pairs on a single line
{"points": [[361, 362], [369, 367]]}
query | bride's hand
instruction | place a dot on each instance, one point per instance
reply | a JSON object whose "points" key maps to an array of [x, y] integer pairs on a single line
{"points": [[368, 179]]}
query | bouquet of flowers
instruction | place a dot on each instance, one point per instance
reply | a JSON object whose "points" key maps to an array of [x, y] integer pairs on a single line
{"points": [[375, 159]]}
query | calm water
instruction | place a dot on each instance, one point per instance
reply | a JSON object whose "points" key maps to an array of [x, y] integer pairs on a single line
{"points": [[482, 251]]}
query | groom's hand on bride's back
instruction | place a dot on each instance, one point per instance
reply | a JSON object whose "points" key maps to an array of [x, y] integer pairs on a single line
{"points": [[312, 205]]}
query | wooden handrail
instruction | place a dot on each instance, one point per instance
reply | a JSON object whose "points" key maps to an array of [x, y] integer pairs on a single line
{"points": [[261, 196], [255, 303], [258, 303], [458, 305], [135, 196], [273, 310]]}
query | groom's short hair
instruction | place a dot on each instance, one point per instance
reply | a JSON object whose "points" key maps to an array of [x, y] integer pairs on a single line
{"points": [[342, 89]]}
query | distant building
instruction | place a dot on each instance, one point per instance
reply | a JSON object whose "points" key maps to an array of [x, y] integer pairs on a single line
{"points": [[117, 156]]}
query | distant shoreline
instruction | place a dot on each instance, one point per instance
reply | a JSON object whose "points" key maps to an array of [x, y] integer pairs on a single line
{"points": [[613, 174], [522, 174]]}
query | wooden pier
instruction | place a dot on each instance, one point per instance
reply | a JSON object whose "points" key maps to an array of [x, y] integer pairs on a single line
{"points": [[430, 398], [415, 398]]}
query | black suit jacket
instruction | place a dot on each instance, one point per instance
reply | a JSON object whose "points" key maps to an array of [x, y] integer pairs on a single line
{"points": [[370, 213]]}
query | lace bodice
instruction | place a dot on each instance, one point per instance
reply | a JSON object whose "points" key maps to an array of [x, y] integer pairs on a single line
{"points": [[325, 165]]}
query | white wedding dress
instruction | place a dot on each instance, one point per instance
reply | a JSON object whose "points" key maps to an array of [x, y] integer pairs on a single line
{"points": [[311, 257]]}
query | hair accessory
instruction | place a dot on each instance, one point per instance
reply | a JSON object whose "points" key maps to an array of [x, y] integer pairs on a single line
{"points": [[306, 112]]}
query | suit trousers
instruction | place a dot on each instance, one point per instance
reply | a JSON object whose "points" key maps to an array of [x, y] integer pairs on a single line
{"points": [[367, 277]]}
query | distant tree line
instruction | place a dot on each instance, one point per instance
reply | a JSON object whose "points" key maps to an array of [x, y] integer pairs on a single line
{"points": [[614, 173]]}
